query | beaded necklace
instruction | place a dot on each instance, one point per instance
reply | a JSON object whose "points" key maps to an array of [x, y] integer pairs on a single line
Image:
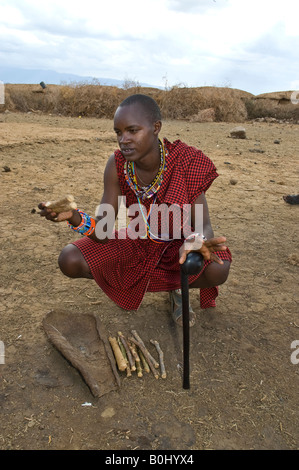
{"points": [[146, 192]]}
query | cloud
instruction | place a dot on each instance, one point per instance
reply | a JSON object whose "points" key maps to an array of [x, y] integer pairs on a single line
{"points": [[195, 6], [88, 18], [196, 42]]}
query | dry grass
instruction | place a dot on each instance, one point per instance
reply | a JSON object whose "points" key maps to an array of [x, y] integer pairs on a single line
{"points": [[274, 105], [94, 100]]}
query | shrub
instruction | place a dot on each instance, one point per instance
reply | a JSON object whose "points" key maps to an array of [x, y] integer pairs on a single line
{"points": [[178, 102]]}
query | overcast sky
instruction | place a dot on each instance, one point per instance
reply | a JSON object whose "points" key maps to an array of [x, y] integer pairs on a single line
{"points": [[252, 45]]}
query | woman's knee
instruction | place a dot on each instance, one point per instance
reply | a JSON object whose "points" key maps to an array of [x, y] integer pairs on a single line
{"points": [[72, 262], [216, 274]]}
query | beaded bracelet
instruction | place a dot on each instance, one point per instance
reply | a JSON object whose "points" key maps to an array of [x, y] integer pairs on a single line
{"points": [[86, 226]]}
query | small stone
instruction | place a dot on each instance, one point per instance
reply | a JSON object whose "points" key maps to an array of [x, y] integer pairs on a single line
{"points": [[233, 181], [108, 412], [238, 133], [256, 151], [43, 377]]}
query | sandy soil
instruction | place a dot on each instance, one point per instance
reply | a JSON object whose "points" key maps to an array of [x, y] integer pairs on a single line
{"points": [[244, 387]]}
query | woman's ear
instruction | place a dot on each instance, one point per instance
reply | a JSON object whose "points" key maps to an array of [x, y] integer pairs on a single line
{"points": [[157, 127]]}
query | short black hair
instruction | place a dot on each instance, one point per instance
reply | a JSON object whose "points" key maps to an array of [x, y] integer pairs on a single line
{"points": [[149, 105]]}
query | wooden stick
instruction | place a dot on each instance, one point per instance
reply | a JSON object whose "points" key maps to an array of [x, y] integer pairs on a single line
{"points": [[134, 352], [148, 354], [123, 351], [137, 359], [62, 205], [121, 363], [128, 352], [161, 357], [144, 362], [139, 369]]}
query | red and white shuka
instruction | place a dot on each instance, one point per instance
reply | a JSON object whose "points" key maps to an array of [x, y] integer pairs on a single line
{"points": [[126, 268]]}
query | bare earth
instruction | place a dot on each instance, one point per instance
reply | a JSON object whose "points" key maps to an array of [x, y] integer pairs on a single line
{"points": [[244, 386]]}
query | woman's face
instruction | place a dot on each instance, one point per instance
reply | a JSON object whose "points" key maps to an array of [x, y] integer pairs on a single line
{"points": [[137, 136]]}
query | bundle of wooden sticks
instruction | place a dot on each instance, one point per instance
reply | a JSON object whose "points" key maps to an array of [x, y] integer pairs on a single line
{"points": [[132, 355]]}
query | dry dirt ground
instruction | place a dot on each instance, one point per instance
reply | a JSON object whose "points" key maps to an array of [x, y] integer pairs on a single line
{"points": [[244, 386]]}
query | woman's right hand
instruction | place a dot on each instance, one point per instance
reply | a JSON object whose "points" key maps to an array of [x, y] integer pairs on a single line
{"points": [[61, 217], [207, 249]]}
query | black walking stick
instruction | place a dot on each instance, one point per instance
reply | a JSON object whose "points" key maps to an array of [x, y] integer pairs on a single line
{"points": [[192, 265]]}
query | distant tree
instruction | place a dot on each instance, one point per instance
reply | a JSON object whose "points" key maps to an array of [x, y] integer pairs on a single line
{"points": [[130, 83]]}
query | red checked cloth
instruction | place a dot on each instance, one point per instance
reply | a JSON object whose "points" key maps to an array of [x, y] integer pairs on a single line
{"points": [[126, 269]]}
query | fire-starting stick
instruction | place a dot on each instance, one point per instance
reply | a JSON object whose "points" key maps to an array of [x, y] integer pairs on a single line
{"points": [[123, 351], [62, 205], [121, 363], [161, 357], [148, 354], [128, 352], [137, 359], [146, 367]]}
